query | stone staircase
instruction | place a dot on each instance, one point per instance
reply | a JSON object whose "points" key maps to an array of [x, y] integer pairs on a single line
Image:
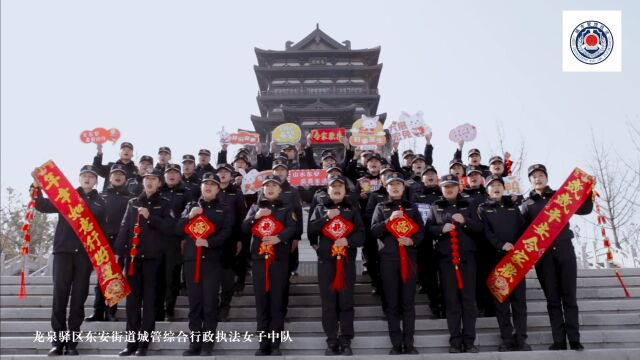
{"points": [[610, 323]]}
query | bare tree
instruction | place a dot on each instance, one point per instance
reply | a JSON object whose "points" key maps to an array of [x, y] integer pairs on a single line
{"points": [[12, 217], [618, 194], [520, 155]]}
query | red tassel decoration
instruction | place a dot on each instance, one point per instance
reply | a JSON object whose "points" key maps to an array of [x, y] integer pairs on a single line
{"points": [[607, 244], [626, 292], [196, 276], [267, 251], [404, 262], [26, 229], [135, 241], [338, 283], [455, 256], [22, 294]]}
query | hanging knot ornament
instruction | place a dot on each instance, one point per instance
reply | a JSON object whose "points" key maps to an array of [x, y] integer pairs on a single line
{"points": [[267, 226], [334, 229], [199, 227], [403, 226]]}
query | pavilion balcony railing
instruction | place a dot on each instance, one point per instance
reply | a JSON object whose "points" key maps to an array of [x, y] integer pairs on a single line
{"points": [[318, 91]]}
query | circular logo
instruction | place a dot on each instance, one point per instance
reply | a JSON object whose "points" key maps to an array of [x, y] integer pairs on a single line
{"points": [[591, 42]]}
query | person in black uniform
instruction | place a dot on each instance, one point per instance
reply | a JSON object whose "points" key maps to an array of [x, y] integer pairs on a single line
{"points": [[370, 254], [164, 158], [116, 198], [427, 259], [169, 279], [337, 306], [203, 295], [455, 212], [474, 158], [321, 194], [290, 196], [204, 162], [503, 225], [134, 184], [399, 293], [156, 219], [71, 265], [557, 268], [190, 178], [128, 166], [408, 169], [270, 305], [486, 254], [236, 250]]}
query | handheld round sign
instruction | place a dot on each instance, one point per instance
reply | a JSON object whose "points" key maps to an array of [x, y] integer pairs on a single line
{"points": [[287, 133], [591, 42]]}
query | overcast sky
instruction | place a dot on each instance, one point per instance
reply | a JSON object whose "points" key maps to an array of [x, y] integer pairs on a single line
{"points": [[173, 73]]}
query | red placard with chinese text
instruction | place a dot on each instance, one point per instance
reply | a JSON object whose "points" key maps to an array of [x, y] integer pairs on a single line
{"points": [[328, 136]]}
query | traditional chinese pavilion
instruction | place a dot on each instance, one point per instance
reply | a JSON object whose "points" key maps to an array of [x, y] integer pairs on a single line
{"points": [[317, 82]]}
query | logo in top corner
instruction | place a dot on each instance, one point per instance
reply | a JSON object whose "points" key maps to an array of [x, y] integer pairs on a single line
{"points": [[591, 42]]}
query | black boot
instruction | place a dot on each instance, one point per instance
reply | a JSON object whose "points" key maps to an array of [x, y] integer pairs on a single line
{"points": [[207, 348], [396, 350], [142, 350], [345, 348], [332, 349], [576, 345], [558, 346], [194, 349], [57, 350], [96, 316], [129, 350]]}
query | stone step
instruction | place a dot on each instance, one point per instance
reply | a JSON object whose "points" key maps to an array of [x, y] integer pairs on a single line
{"points": [[306, 328], [42, 295], [582, 273], [360, 344], [38, 288], [588, 354], [306, 313]]}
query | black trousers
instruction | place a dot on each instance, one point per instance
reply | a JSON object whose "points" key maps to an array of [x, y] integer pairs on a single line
{"points": [[71, 272], [294, 259], [337, 307], [400, 302], [203, 296], [486, 260], [242, 261], [226, 286], [516, 303], [372, 260], [143, 284], [270, 305], [428, 274], [460, 305], [557, 272], [169, 278]]}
